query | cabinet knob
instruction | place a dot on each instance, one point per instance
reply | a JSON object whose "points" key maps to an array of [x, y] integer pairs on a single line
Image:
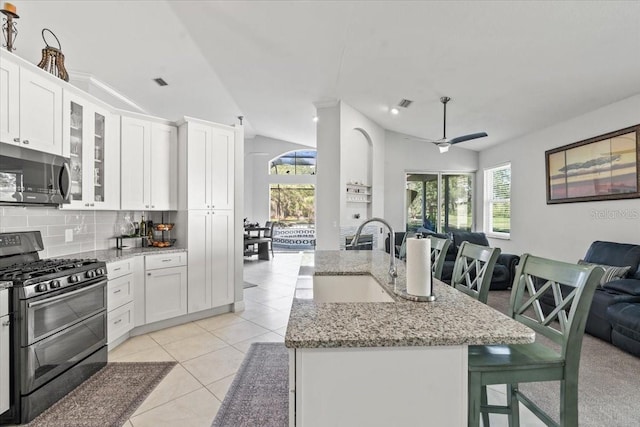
{"points": [[148, 274], [146, 206], [86, 204], [93, 204], [6, 323], [16, 139], [153, 206], [26, 141], [208, 206]]}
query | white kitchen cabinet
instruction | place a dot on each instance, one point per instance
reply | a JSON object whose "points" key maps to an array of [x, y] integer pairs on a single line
{"points": [[210, 166], [148, 165], [165, 289], [91, 142], [120, 294], [4, 349], [211, 262], [40, 112], [30, 106], [9, 102]]}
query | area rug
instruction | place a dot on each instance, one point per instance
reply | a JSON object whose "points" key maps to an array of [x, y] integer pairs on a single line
{"points": [[108, 398], [259, 394]]}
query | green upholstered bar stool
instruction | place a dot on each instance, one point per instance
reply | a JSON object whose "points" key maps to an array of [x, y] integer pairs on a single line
{"points": [[439, 248], [473, 270], [522, 363]]}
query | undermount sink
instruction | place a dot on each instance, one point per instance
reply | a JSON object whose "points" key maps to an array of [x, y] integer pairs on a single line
{"points": [[345, 288]]}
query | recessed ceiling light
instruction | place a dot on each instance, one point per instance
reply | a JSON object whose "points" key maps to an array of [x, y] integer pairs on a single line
{"points": [[315, 119], [394, 111]]}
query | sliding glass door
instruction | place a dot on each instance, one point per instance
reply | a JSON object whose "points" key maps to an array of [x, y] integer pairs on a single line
{"points": [[439, 202]]}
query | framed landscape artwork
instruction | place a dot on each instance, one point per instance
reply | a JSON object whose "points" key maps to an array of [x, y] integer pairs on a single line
{"points": [[601, 168]]}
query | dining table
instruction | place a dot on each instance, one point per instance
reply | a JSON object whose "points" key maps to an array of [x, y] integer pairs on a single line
{"points": [[254, 236]]}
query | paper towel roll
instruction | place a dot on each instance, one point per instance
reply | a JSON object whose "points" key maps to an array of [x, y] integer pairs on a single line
{"points": [[419, 267]]}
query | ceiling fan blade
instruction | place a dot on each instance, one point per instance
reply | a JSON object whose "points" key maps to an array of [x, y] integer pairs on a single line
{"points": [[468, 137], [416, 138]]}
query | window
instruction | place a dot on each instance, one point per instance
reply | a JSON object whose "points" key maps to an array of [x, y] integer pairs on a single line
{"points": [[439, 202], [497, 195], [301, 162]]}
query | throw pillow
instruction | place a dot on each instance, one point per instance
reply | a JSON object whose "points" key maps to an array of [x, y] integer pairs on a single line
{"points": [[611, 272]]}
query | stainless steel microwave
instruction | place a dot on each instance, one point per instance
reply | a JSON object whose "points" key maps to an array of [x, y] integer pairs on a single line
{"points": [[32, 177]]}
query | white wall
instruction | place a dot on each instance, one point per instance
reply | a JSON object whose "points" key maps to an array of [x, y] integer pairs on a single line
{"points": [[362, 159], [407, 155], [328, 177], [258, 152], [561, 231]]}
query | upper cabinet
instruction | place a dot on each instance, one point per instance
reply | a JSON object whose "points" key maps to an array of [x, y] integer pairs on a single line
{"points": [[209, 168], [148, 165], [9, 102], [90, 140], [30, 108]]}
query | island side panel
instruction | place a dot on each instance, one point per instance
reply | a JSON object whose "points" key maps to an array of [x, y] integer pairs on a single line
{"points": [[382, 386]]}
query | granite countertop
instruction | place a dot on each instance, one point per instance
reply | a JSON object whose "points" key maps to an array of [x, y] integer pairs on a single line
{"points": [[453, 319], [111, 255]]}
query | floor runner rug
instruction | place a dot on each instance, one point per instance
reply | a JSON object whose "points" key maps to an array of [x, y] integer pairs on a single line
{"points": [[259, 394]]}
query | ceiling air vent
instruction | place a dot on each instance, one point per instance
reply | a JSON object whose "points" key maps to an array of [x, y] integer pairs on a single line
{"points": [[161, 82], [404, 103]]}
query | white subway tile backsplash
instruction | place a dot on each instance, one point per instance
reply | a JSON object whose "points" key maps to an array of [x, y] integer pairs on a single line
{"points": [[46, 220], [91, 229], [14, 221]]}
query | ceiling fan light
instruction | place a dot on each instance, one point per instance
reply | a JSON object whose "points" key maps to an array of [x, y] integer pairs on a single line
{"points": [[443, 147], [394, 111]]}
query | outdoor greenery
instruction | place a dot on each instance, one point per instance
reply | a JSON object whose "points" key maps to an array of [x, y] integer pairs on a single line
{"points": [[500, 199], [456, 209], [292, 203]]}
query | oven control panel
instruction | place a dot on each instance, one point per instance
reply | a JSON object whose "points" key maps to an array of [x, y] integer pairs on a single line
{"points": [[8, 240]]}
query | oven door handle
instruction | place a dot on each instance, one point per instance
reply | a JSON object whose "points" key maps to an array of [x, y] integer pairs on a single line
{"points": [[66, 295]]}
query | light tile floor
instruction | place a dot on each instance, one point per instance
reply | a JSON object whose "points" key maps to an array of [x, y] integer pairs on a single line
{"points": [[210, 351]]}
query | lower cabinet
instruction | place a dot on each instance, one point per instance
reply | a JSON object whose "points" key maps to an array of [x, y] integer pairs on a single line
{"points": [[165, 288], [4, 350], [120, 289]]}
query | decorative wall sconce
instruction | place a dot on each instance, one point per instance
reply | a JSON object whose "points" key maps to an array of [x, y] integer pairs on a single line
{"points": [[9, 28], [53, 58]]}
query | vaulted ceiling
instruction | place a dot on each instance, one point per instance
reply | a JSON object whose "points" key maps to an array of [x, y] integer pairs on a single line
{"points": [[510, 67]]}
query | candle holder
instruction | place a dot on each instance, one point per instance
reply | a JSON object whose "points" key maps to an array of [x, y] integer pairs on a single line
{"points": [[53, 58], [9, 26]]}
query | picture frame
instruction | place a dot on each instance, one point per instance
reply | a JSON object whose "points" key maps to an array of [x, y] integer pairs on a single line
{"points": [[605, 167]]}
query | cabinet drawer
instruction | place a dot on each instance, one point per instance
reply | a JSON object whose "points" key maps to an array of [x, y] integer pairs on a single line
{"points": [[119, 322], [177, 259], [119, 268], [119, 291]]}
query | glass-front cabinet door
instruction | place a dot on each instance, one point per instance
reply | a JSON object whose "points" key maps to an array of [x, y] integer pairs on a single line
{"points": [[98, 157], [91, 138], [76, 149]]}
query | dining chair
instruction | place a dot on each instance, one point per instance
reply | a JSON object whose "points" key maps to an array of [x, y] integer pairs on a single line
{"points": [[522, 363], [268, 234], [439, 248], [473, 270]]}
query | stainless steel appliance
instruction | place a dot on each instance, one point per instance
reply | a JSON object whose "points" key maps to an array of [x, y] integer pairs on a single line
{"points": [[32, 177], [58, 337]]}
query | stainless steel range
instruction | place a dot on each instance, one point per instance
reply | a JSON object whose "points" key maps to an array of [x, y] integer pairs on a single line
{"points": [[58, 335]]}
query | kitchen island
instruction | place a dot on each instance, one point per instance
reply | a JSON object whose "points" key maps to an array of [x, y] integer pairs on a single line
{"points": [[397, 363]]}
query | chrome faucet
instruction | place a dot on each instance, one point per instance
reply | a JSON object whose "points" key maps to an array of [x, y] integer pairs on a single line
{"points": [[393, 272]]}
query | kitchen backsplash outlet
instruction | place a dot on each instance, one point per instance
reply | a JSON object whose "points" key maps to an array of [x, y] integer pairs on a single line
{"points": [[92, 230]]}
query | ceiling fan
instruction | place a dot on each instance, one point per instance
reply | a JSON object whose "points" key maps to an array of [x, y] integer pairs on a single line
{"points": [[444, 143]]}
